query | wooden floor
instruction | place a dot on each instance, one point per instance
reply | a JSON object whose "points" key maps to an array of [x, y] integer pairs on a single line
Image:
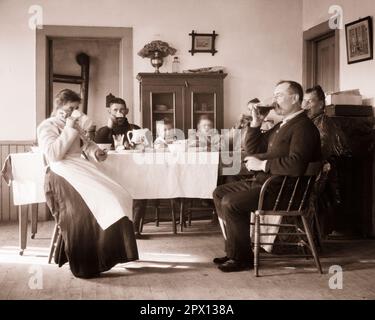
{"points": [[179, 267]]}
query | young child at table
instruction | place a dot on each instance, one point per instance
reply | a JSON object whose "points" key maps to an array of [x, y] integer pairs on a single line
{"points": [[164, 132], [206, 137]]}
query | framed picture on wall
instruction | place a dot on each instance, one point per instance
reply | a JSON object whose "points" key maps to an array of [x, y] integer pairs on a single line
{"points": [[359, 40], [203, 42]]}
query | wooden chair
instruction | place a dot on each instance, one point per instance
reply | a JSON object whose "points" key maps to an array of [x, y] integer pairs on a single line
{"points": [[55, 237], [188, 207], [158, 207], [292, 198]]}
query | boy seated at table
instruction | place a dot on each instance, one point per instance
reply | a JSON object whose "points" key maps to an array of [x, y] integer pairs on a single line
{"points": [[165, 133], [206, 138]]}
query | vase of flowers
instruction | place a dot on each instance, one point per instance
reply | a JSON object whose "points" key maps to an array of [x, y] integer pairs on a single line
{"points": [[156, 50]]}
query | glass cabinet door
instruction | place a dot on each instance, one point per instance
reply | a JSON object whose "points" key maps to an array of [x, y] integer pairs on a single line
{"points": [[203, 105], [163, 108], [162, 104]]}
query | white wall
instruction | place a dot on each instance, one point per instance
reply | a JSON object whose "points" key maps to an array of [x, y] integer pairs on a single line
{"points": [[259, 43], [358, 75]]}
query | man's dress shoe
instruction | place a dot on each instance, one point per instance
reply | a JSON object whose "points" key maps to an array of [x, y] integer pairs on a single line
{"points": [[220, 260], [235, 266]]}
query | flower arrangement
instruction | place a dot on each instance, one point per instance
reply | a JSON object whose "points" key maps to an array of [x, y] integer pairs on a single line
{"points": [[157, 45]]}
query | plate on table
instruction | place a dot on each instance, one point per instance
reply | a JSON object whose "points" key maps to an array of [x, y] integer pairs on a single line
{"points": [[124, 151]]}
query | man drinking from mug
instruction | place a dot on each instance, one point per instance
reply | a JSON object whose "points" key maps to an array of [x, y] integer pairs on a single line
{"points": [[286, 149]]}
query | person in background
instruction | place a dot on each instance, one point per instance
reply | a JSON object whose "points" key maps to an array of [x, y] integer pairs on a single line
{"points": [[205, 125], [117, 123], [206, 137], [166, 133], [334, 145], [243, 122], [96, 233], [332, 138]]}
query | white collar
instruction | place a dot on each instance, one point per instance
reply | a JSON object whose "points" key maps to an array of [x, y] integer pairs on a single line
{"points": [[291, 116]]}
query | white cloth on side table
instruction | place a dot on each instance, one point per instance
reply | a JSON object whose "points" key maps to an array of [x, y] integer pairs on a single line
{"points": [[28, 175]]}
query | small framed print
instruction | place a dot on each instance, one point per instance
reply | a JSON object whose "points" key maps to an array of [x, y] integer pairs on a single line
{"points": [[203, 42], [359, 40]]}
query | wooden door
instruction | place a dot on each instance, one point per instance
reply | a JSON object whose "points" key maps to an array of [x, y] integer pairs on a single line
{"points": [[325, 63], [321, 57]]}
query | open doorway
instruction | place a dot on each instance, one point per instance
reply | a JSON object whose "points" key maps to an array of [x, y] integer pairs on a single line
{"points": [[94, 80], [110, 66], [321, 58]]}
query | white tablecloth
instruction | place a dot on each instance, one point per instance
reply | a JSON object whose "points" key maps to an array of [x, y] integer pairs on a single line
{"points": [[164, 175], [144, 175]]}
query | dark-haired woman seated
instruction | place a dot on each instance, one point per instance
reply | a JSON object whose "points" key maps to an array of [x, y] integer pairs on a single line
{"points": [[90, 208], [333, 145]]}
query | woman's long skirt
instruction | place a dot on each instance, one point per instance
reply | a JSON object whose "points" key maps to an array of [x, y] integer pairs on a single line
{"points": [[89, 249]]}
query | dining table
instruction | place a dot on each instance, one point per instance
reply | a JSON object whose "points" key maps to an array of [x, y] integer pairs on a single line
{"points": [[151, 174]]}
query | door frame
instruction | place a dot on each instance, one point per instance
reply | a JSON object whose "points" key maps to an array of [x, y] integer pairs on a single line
{"points": [[310, 37], [48, 32]]}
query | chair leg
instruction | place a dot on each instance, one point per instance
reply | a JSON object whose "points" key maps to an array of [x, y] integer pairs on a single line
{"points": [[157, 216], [141, 225], [53, 243], [173, 217], [303, 244], [312, 245], [256, 244], [189, 212]]}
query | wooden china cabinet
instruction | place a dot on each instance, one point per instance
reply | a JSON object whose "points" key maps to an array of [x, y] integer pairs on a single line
{"points": [[181, 97]]}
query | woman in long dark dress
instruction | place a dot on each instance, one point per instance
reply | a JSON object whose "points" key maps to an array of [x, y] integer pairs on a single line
{"points": [[90, 209]]}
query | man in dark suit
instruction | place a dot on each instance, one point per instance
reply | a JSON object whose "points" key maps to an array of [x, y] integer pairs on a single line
{"points": [[118, 124], [286, 149]]}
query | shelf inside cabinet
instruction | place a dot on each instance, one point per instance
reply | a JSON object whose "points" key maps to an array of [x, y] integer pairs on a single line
{"points": [[204, 112], [168, 111]]}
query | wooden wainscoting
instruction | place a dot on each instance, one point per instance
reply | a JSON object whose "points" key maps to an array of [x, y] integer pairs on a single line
{"points": [[8, 211]]}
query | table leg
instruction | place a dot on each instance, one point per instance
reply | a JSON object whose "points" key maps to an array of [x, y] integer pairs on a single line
{"points": [[34, 219], [22, 220]]}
